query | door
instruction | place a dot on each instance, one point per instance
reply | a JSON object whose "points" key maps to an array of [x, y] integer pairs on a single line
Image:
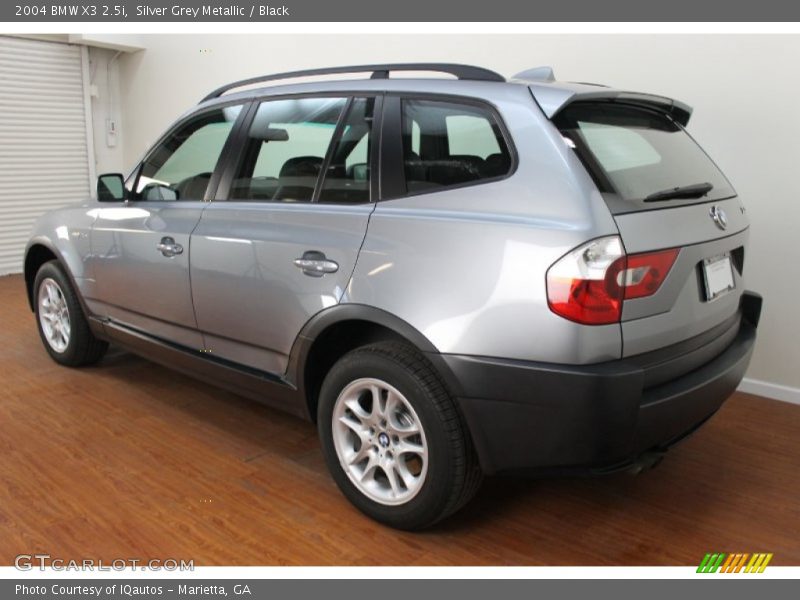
{"points": [[140, 249], [284, 244]]}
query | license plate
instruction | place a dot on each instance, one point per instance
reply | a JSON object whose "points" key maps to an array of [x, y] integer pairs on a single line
{"points": [[718, 276]]}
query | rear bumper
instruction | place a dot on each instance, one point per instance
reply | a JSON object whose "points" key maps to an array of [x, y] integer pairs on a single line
{"points": [[544, 417]]}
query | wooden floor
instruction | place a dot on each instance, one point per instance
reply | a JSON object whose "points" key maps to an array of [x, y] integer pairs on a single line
{"points": [[130, 460]]}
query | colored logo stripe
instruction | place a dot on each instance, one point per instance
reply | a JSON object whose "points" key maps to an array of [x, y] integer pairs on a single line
{"points": [[758, 563], [711, 563], [734, 563]]}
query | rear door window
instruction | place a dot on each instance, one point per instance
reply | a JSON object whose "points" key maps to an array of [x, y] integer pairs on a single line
{"points": [[637, 156], [285, 149], [447, 144], [348, 173]]}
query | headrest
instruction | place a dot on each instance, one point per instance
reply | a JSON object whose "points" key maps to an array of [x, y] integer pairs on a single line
{"points": [[301, 166]]}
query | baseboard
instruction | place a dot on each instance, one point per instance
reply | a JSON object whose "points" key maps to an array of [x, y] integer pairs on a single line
{"points": [[770, 390]]}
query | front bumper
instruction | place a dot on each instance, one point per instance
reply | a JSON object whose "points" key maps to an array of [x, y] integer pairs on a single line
{"points": [[527, 416]]}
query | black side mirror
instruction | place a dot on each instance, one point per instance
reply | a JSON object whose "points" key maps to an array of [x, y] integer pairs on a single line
{"points": [[111, 188]]}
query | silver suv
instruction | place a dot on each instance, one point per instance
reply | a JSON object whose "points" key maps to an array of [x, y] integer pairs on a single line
{"points": [[451, 276]]}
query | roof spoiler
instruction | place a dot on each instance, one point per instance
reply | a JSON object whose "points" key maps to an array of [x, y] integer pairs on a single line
{"points": [[552, 99]]}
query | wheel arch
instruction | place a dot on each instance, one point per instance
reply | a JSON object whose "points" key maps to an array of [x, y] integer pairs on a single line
{"points": [[39, 251], [335, 331], [36, 255]]}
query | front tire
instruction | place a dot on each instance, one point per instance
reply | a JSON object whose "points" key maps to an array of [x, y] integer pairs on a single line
{"points": [[60, 320], [393, 438]]}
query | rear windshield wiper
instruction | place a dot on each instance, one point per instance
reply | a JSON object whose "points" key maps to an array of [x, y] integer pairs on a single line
{"points": [[696, 190]]}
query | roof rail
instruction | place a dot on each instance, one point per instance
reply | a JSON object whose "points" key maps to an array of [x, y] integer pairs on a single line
{"points": [[378, 72]]}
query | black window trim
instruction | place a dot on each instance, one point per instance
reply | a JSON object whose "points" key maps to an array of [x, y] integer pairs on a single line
{"points": [[235, 157], [392, 169], [221, 163], [387, 177]]}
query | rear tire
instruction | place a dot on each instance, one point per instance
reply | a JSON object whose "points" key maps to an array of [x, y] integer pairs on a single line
{"points": [[60, 320], [393, 438]]}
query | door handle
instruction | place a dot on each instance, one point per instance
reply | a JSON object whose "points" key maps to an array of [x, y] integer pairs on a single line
{"points": [[315, 264], [168, 247]]}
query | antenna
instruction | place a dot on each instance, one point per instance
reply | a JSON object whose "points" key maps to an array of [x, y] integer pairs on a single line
{"points": [[536, 74]]}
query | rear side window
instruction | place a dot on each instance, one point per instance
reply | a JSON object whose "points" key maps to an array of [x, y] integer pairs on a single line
{"points": [[639, 155], [448, 144]]}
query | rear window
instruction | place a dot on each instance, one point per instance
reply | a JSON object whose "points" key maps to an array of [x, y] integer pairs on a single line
{"points": [[634, 153]]}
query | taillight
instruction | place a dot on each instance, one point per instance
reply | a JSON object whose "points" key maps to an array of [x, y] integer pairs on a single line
{"points": [[582, 286], [644, 273], [589, 284]]}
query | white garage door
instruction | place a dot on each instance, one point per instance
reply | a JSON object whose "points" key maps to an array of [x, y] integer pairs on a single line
{"points": [[44, 159]]}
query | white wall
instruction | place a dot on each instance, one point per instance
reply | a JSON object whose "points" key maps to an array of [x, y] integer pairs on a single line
{"points": [[744, 90], [104, 79]]}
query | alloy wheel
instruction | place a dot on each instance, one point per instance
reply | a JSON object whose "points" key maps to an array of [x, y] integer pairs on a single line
{"points": [[54, 315], [380, 441]]}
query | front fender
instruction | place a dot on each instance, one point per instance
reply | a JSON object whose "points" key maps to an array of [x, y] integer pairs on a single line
{"points": [[66, 234]]}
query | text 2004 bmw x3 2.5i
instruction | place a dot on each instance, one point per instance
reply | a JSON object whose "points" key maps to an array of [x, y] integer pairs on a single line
{"points": [[450, 276]]}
